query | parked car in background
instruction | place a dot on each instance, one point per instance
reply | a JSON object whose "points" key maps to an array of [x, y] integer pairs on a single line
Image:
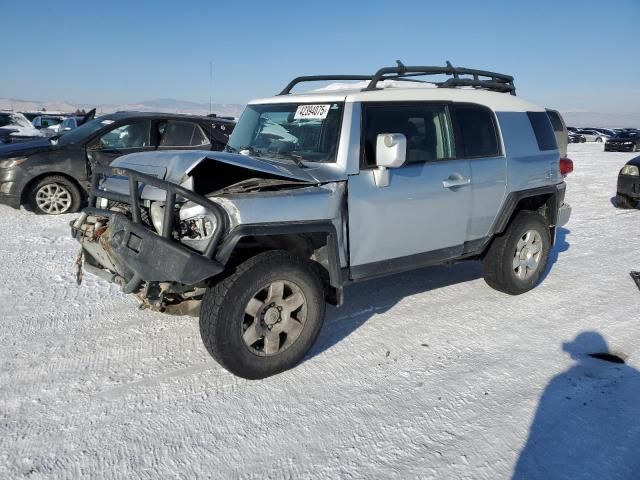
{"points": [[14, 127], [593, 135], [50, 175], [47, 122], [605, 131], [628, 191], [576, 138], [624, 141], [560, 130], [572, 129]]}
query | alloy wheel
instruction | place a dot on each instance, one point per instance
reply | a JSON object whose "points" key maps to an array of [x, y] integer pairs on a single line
{"points": [[54, 198], [274, 317], [526, 259]]}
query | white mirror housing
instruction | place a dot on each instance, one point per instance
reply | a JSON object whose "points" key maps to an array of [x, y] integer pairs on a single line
{"points": [[391, 152]]}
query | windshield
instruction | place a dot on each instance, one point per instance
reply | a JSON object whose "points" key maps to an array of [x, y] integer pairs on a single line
{"points": [[84, 131], [289, 131]]}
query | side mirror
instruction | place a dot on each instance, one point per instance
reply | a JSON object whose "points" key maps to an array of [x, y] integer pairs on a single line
{"points": [[391, 152]]}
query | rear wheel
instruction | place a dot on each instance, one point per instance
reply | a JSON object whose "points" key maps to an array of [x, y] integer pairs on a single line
{"points": [[264, 317], [516, 259], [622, 201], [54, 195], [599, 139]]}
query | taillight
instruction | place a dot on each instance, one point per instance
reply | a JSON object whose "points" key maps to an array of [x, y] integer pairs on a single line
{"points": [[566, 166]]}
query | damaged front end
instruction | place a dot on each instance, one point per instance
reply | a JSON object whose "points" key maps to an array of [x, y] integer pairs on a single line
{"points": [[119, 244], [156, 233]]}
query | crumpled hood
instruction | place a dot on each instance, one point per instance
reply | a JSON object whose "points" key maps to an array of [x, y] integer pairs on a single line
{"points": [[175, 166], [24, 149]]}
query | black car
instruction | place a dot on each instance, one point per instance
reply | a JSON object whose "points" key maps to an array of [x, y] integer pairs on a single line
{"points": [[628, 191], [51, 176], [624, 141]]}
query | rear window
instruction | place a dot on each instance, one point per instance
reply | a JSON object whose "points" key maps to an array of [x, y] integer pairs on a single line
{"points": [[479, 135], [541, 125]]}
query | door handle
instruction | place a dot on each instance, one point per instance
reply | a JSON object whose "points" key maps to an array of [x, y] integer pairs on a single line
{"points": [[456, 180]]}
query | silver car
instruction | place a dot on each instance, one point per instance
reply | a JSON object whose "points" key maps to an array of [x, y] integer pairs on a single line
{"points": [[321, 189]]}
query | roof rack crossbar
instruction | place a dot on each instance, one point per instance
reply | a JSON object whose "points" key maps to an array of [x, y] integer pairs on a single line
{"points": [[492, 81], [320, 78]]}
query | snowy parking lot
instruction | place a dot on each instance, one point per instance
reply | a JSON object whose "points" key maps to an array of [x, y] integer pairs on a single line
{"points": [[428, 374]]}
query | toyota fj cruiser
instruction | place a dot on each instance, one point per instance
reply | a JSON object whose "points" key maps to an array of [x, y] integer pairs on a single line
{"points": [[320, 189]]}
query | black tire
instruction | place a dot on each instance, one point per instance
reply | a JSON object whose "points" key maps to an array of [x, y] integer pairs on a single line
{"points": [[497, 263], [223, 317], [624, 202], [62, 183]]}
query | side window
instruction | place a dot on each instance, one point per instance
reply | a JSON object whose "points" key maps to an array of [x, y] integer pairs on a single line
{"points": [[426, 126], [556, 123], [545, 135], [478, 130], [182, 134], [132, 135]]}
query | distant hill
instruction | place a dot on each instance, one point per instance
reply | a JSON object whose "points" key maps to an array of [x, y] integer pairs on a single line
{"points": [[158, 105]]}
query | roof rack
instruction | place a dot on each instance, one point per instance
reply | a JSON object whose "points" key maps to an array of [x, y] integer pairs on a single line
{"points": [[497, 82]]}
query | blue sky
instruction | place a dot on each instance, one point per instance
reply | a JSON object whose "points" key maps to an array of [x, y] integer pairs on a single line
{"points": [[573, 55]]}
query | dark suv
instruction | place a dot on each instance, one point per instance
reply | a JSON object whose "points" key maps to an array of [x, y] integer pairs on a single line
{"points": [[51, 175]]}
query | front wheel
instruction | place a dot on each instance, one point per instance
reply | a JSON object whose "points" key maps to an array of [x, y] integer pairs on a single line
{"points": [[622, 201], [54, 195], [516, 259], [264, 317]]}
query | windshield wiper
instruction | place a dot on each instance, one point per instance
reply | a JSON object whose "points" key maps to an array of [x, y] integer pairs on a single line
{"points": [[297, 159]]}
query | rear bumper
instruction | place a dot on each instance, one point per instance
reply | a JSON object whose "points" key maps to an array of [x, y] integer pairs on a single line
{"points": [[629, 185], [134, 254], [564, 213]]}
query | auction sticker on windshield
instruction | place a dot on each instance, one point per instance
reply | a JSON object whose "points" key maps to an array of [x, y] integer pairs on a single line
{"points": [[311, 112]]}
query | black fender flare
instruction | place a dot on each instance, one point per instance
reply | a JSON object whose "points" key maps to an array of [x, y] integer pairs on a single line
{"points": [[514, 198], [266, 229]]}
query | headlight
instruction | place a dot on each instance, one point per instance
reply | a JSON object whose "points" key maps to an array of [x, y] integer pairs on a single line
{"points": [[198, 228], [12, 162], [630, 170], [628, 143]]}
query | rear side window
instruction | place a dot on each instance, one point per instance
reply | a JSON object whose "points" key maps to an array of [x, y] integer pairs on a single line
{"points": [[544, 132], [556, 123], [182, 134], [478, 130]]}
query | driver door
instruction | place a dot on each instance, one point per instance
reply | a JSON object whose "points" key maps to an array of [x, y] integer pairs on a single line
{"points": [[121, 140], [421, 216]]}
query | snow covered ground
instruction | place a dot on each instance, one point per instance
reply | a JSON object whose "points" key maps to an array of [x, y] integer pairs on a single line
{"points": [[428, 374]]}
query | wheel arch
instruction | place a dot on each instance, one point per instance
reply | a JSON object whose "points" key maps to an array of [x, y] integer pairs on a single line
{"points": [[26, 190], [544, 200], [316, 241]]}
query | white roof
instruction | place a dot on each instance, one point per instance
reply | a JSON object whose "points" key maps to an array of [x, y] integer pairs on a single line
{"points": [[345, 92]]}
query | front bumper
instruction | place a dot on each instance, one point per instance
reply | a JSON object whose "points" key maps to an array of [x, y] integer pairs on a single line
{"points": [[11, 200], [629, 185], [133, 253]]}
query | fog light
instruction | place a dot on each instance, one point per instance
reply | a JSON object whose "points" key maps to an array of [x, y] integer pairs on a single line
{"points": [[6, 187]]}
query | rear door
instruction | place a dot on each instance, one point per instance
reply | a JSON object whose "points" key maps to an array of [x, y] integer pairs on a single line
{"points": [[479, 141], [121, 140], [421, 216], [182, 135]]}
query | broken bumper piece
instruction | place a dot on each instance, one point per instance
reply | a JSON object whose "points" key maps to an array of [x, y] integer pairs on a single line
{"points": [[129, 254]]}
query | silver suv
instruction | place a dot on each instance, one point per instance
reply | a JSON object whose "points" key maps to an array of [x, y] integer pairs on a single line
{"points": [[321, 189]]}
